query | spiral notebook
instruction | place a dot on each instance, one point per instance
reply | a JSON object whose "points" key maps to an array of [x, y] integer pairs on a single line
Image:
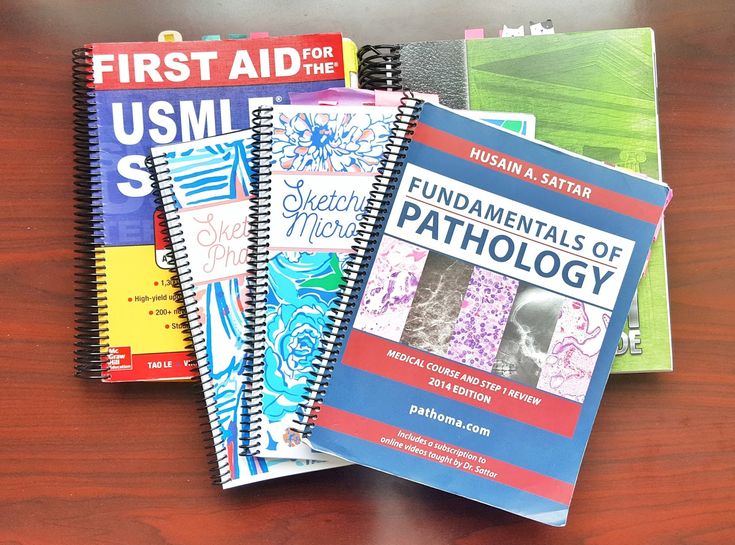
{"points": [[593, 93], [471, 343], [129, 97], [324, 159], [205, 194]]}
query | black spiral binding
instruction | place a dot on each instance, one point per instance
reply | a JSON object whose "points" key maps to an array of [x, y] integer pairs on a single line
{"points": [[379, 67], [251, 416], [91, 337], [358, 262], [195, 338]]}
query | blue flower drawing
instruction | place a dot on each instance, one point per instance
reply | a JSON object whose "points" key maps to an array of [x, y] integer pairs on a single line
{"points": [[330, 142], [302, 285], [293, 345]]}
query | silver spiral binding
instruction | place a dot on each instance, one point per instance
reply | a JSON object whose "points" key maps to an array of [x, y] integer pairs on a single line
{"points": [[379, 68], [358, 262], [195, 338], [91, 331], [251, 415]]}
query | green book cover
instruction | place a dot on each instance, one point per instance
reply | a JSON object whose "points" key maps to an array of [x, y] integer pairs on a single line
{"points": [[593, 93]]}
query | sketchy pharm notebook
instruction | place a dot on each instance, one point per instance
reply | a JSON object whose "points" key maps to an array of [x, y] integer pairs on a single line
{"points": [[593, 93], [472, 341], [129, 97], [205, 193]]}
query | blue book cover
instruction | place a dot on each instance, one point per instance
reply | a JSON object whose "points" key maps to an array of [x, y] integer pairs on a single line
{"points": [[324, 161], [475, 334], [145, 94]]}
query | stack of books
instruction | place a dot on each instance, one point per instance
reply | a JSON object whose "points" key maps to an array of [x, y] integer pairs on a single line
{"points": [[431, 275]]}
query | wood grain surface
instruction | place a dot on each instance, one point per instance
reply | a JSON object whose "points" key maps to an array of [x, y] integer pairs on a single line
{"points": [[87, 463]]}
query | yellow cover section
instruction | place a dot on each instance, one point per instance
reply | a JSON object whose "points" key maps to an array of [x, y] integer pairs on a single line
{"points": [[143, 305], [349, 60]]}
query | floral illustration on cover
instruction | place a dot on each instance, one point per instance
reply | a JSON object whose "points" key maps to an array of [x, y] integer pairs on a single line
{"points": [[215, 174], [302, 285], [482, 319], [330, 141], [574, 348], [222, 307], [391, 288]]}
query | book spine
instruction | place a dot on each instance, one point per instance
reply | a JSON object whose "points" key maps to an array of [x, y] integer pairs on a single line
{"points": [[251, 413], [379, 68], [91, 338], [194, 336], [358, 263]]}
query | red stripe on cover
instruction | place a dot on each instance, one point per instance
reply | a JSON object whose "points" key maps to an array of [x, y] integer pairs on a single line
{"points": [[158, 366], [157, 65], [459, 382], [445, 454], [494, 160]]}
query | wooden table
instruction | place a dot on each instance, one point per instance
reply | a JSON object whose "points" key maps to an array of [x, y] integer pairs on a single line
{"points": [[85, 463]]}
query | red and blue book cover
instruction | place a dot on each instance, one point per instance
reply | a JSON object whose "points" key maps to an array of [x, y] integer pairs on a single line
{"points": [[156, 93], [472, 352]]}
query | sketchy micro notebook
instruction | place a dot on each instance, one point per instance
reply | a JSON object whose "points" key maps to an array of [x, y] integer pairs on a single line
{"points": [[129, 97], [323, 161], [471, 343], [204, 191], [593, 93]]}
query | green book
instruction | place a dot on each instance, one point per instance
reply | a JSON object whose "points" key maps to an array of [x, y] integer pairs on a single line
{"points": [[593, 93]]}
